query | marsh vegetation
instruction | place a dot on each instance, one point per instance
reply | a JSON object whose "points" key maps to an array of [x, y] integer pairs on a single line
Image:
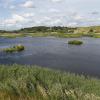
{"points": [[75, 42], [62, 32], [19, 82], [16, 48]]}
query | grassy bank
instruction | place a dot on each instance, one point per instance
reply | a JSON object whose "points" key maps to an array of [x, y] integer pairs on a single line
{"points": [[46, 34], [12, 35], [40, 34], [34, 83]]}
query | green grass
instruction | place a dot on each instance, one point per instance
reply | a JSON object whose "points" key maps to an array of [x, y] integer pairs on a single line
{"points": [[19, 82], [16, 48], [42, 34], [12, 35], [75, 42], [62, 32], [54, 34], [96, 35]]}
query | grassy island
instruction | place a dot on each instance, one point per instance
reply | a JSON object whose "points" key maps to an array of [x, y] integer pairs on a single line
{"points": [[19, 82], [16, 48], [75, 42]]}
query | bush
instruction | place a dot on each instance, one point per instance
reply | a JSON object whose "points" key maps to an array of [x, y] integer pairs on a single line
{"points": [[75, 42]]}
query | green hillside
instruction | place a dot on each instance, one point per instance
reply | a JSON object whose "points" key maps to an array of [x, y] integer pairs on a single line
{"points": [[95, 29], [64, 32]]}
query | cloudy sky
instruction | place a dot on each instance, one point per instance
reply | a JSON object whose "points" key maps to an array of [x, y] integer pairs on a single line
{"points": [[15, 14]]}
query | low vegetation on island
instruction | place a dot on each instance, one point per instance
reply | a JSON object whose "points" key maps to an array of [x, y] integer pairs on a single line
{"points": [[20, 82], [16, 48], [75, 42]]}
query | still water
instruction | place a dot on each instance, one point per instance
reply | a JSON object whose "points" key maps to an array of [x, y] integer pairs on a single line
{"points": [[55, 53]]}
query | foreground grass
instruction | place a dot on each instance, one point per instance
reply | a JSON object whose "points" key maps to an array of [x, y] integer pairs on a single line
{"points": [[34, 83]]}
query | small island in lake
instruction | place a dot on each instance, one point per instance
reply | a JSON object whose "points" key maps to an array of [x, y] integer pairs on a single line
{"points": [[16, 48], [75, 42]]}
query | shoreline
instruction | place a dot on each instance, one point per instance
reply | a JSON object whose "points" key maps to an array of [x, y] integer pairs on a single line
{"points": [[54, 35]]}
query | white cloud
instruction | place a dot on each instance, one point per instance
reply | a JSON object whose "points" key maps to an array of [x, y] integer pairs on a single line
{"points": [[17, 21], [6, 3], [72, 24], [78, 17], [28, 4], [57, 21], [14, 20], [54, 10], [56, 0], [12, 7], [28, 15], [47, 18]]}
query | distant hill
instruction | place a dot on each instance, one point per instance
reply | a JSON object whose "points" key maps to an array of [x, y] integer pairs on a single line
{"points": [[47, 29], [91, 29]]}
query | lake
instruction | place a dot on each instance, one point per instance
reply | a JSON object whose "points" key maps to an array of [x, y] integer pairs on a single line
{"points": [[55, 53]]}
